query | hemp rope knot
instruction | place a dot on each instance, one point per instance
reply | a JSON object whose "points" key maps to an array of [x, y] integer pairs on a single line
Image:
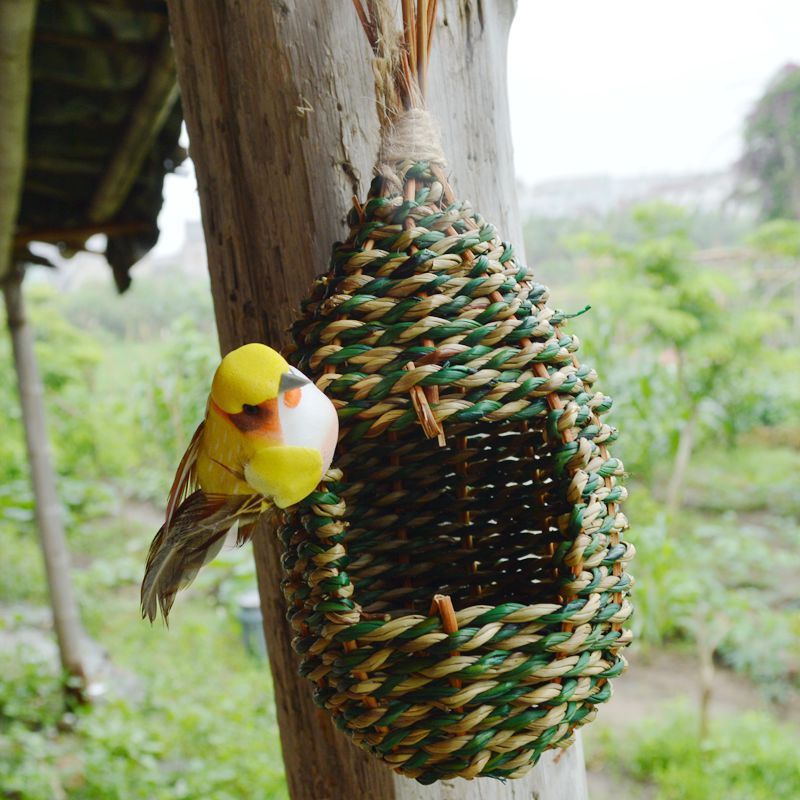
{"points": [[411, 136]]}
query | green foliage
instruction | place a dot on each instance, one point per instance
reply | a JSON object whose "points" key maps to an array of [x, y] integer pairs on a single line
{"points": [[677, 334], [166, 387], [188, 714], [68, 362], [547, 242], [669, 333], [68, 359], [22, 576], [661, 598], [644, 391], [655, 286], [720, 578], [778, 237], [749, 757], [750, 476], [772, 146], [174, 390], [776, 246], [102, 394], [15, 500], [214, 738], [30, 702], [683, 343], [145, 312]]}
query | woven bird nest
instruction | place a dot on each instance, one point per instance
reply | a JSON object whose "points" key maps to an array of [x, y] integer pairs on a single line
{"points": [[457, 583]]}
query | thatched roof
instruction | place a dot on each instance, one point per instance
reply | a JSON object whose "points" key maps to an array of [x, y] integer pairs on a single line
{"points": [[103, 128]]}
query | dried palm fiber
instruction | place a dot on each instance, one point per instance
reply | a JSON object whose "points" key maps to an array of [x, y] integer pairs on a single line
{"points": [[456, 585]]}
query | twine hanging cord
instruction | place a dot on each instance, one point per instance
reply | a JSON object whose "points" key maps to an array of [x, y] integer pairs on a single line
{"points": [[408, 132], [411, 136]]}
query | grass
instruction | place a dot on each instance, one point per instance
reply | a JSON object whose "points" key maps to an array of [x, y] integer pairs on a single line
{"points": [[747, 757], [196, 719], [188, 714], [22, 577], [749, 477]]}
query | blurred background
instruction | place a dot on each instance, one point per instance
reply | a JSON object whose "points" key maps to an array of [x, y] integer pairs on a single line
{"points": [[658, 157]]}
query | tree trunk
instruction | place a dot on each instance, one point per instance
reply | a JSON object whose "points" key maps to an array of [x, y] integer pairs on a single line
{"points": [[279, 104], [66, 618], [706, 657], [681, 464]]}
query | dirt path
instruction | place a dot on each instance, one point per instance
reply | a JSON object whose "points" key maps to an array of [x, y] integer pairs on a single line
{"points": [[665, 677]]}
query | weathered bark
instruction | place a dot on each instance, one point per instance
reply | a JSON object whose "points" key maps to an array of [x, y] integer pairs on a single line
{"points": [[283, 129], [66, 618], [16, 29]]}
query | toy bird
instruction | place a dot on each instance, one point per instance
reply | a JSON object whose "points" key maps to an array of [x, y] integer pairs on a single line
{"points": [[267, 439]]}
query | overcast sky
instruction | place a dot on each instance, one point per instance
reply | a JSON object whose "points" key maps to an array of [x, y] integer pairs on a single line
{"points": [[620, 87], [624, 87]]}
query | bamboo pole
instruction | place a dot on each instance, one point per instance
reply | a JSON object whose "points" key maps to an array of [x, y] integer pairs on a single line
{"points": [[49, 522]]}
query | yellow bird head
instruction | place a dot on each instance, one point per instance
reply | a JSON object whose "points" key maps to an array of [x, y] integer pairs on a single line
{"points": [[288, 428], [247, 384], [246, 376]]}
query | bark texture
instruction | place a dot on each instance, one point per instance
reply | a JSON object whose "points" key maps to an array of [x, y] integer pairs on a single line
{"points": [[279, 103]]}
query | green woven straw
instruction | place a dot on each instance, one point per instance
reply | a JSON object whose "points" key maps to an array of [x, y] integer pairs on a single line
{"points": [[473, 476]]}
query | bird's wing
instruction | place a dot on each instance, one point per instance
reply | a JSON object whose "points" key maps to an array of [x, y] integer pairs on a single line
{"points": [[194, 535], [186, 476], [284, 473]]}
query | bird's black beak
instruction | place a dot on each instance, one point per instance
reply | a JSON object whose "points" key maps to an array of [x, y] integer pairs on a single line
{"points": [[292, 380]]}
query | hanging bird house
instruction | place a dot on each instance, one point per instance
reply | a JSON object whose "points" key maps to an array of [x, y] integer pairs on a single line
{"points": [[457, 582]]}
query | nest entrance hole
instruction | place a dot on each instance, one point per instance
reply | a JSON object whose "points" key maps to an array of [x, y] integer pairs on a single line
{"points": [[473, 520]]}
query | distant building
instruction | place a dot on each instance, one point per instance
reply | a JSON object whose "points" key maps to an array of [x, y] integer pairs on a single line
{"points": [[603, 194]]}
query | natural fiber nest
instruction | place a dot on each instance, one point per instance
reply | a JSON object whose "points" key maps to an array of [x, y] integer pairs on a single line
{"points": [[426, 325]]}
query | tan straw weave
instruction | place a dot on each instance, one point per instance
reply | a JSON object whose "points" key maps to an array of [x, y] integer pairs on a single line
{"points": [[457, 584]]}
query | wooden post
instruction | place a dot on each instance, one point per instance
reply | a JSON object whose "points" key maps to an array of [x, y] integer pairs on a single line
{"points": [[66, 618], [279, 103]]}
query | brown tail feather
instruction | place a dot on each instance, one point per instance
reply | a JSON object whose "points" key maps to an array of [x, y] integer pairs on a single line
{"points": [[194, 536]]}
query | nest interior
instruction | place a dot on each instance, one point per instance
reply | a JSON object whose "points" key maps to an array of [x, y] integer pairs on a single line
{"points": [[473, 464]]}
